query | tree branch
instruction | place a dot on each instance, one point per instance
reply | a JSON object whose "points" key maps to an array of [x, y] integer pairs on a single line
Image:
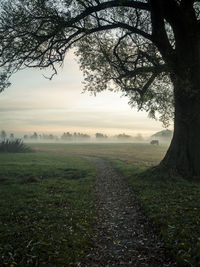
{"points": [[105, 5], [142, 70], [158, 30], [144, 88]]}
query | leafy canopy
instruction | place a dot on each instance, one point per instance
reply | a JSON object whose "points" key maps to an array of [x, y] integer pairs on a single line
{"points": [[122, 45]]}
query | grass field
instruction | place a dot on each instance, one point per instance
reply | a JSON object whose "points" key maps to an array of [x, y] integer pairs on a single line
{"points": [[46, 202], [143, 155], [45, 209]]}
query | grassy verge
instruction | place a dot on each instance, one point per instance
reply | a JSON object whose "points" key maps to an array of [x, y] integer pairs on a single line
{"points": [[45, 209], [173, 207]]}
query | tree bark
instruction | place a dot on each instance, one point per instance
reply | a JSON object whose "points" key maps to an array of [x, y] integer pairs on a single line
{"points": [[183, 155]]}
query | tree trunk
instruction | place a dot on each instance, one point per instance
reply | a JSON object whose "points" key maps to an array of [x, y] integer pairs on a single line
{"points": [[183, 155]]}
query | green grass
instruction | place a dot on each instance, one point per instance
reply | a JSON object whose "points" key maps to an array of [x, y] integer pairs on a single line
{"points": [[173, 208], [171, 205], [137, 154], [45, 209], [46, 197]]}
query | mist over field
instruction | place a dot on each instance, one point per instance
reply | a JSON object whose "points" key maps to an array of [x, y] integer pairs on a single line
{"points": [[164, 137]]}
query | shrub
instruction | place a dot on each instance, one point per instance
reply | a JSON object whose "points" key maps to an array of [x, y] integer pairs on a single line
{"points": [[14, 146]]}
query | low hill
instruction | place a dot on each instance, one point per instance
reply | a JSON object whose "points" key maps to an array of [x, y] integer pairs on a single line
{"points": [[164, 135]]}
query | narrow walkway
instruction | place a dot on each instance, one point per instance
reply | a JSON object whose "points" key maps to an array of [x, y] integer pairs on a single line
{"points": [[122, 236]]}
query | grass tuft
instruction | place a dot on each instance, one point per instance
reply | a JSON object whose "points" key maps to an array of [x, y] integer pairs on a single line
{"points": [[14, 146]]}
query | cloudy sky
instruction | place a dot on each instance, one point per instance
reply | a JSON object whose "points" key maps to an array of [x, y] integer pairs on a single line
{"points": [[34, 103]]}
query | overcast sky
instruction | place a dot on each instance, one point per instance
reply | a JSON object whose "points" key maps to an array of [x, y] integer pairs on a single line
{"points": [[34, 103]]}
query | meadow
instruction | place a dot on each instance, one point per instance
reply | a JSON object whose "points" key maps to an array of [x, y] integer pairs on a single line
{"points": [[47, 215], [138, 154]]}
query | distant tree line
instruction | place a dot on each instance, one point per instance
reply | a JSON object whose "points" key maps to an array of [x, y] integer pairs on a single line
{"points": [[35, 136], [67, 136], [74, 136]]}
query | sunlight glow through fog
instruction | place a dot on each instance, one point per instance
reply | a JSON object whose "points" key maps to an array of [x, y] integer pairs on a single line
{"points": [[34, 103]]}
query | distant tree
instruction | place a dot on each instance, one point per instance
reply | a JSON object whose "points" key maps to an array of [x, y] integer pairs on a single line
{"points": [[75, 136], [148, 49], [50, 136], [101, 136], [123, 136], [67, 136], [83, 136], [80, 136], [34, 136], [12, 136], [3, 135]]}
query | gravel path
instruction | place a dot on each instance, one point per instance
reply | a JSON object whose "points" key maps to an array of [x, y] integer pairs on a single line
{"points": [[122, 236]]}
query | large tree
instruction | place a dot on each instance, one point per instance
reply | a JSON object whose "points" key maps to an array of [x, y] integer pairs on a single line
{"points": [[149, 49]]}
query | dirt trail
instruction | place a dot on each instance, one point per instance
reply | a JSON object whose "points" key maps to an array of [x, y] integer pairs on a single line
{"points": [[122, 236]]}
